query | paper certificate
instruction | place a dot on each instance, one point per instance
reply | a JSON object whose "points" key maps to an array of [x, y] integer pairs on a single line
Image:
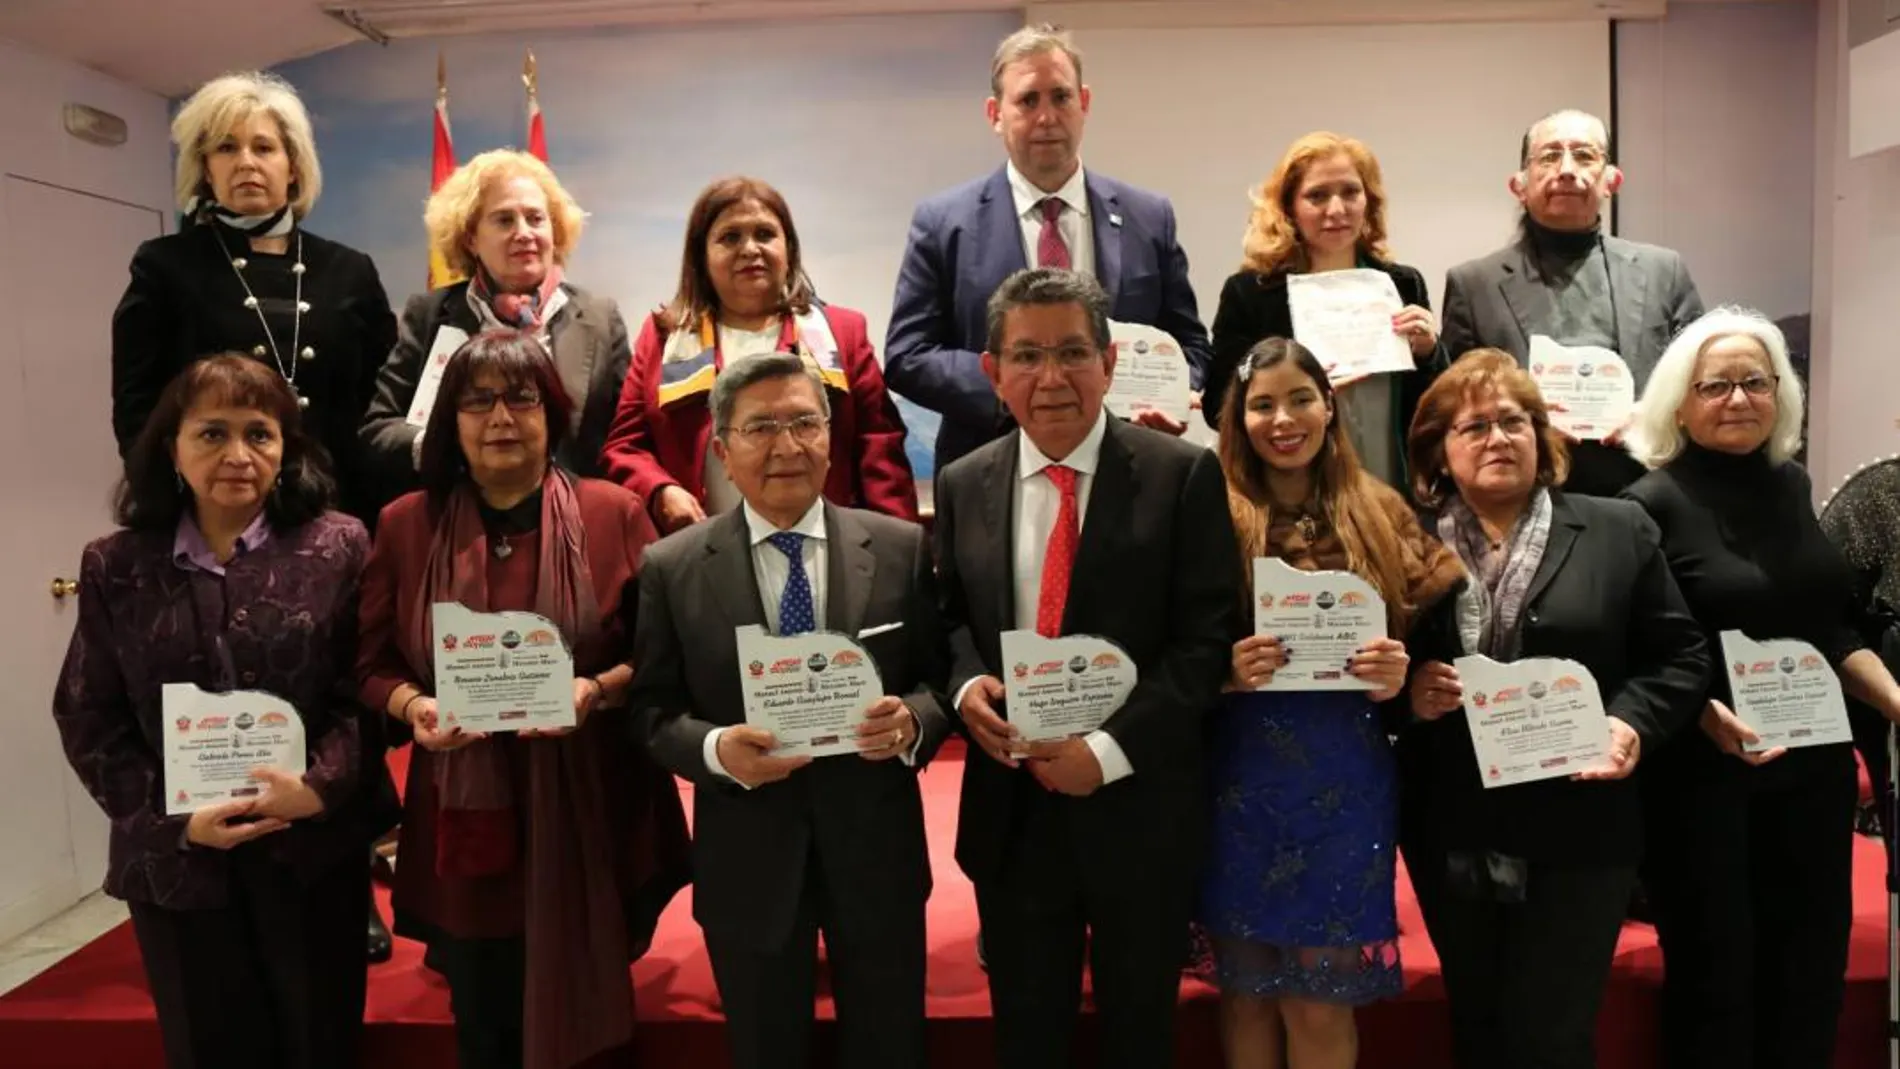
{"points": [[1058, 687], [1322, 618], [1589, 389], [500, 671], [1535, 719], [1345, 318], [447, 340], [217, 740], [1150, 372], [1785, 691], [810, 691]]}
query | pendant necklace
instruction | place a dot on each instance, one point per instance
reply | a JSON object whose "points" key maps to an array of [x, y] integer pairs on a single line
{"points": [[288, 371]]}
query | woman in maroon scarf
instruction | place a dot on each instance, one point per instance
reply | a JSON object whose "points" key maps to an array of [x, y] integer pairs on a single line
{"points": [[534, 865]]}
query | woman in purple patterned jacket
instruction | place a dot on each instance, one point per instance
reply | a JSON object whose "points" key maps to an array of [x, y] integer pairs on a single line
{"points": [[232, 574]]}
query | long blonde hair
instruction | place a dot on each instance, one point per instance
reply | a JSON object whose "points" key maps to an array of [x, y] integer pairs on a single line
{"points": [[1351, 500], [1273, 239]]}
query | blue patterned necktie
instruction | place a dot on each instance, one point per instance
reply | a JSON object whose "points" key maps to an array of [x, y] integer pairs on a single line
{"points": [[795, 612]]}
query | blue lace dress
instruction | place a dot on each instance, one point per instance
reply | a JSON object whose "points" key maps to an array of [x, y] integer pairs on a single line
{"points": [[1297, 899]]}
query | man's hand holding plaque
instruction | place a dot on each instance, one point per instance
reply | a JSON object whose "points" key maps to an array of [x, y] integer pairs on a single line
{"points": [[812, 693], [1060, 687]]}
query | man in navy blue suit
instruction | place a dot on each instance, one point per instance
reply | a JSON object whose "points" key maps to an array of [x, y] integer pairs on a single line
{"points": [[1041, 209]]}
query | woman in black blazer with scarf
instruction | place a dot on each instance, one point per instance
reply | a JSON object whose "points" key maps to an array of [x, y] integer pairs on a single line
{"points": [[1323, 209], [504, 223], [1524, 888]]}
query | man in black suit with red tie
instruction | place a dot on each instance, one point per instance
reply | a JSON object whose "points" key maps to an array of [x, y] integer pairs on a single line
{"points": [[1081, 524]]}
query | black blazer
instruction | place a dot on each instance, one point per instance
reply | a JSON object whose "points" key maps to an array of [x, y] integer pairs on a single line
{"points": [[184, 302], [1155, 573], [865, 818], [1253, 307], [1604, 597], [591, 350]]}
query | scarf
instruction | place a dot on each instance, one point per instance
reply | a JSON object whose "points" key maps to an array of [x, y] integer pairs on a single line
{"points": [[277, 224], [579, 997], [690, 359], [1489, 607], [531, 311]]}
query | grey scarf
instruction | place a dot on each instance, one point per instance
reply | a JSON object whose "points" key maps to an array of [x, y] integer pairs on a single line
{"points": [[1489, 608]]}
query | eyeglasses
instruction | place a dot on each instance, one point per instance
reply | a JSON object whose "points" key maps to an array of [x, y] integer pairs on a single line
{"points": [[763, 432], [1552, 156], [1723, 389], [1068, 358], [1515, 425], [517, 398]]}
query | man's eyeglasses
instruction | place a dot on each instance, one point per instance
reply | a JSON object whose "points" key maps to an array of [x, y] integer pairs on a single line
{"points": [[1551, 157], [1723, 389], [1515, 425], [763, 432], [517, 398], [1068, 358]]}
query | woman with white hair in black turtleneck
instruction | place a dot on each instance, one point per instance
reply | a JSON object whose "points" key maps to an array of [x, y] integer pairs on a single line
{"points": [[1749, 854]]}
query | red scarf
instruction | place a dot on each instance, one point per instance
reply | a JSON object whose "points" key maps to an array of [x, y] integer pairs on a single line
{"points": [[523, 311]]}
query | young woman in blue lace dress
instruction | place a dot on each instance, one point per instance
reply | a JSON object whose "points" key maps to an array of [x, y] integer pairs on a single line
{"points": [[1297, 902]]}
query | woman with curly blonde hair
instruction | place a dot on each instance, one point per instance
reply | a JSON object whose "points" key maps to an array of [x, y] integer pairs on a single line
{"points": [[1324, 209], [504, 224]]}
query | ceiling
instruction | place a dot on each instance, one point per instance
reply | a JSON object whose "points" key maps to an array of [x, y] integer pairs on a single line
{"points": [[171, 47]]}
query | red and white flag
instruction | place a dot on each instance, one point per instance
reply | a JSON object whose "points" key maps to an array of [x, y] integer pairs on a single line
{"points": [[443, 165], [537, 131]]}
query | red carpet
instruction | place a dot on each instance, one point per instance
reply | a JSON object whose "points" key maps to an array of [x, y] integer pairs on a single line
{"points": [[92, 1009]]}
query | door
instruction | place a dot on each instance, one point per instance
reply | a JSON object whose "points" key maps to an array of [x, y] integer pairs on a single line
{"points": [[63, 254]]}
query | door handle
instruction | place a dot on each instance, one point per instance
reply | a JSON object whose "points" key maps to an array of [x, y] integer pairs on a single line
{"points": [[64, 588]]}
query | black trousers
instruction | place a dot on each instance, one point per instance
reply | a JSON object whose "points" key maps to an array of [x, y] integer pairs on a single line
{"points": [[275, 977], [1042, 917], [1525, 979], [1751, 881], [487, 985], [875, 957]]}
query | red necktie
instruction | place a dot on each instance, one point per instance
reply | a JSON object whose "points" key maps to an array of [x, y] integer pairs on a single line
{"points": [[1059, 557], [1051, 250]]}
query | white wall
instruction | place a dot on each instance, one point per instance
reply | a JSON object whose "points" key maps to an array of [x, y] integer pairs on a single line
{"points": [[1715, 135], [50, 837], [1856, 404], [1203, 115]]}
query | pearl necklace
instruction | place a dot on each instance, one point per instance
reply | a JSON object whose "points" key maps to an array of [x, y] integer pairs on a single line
{"points": [[238, 264]]}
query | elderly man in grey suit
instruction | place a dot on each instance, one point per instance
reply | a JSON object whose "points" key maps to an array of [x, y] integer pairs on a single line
{"points": [[787, 847], [1565, 279]]}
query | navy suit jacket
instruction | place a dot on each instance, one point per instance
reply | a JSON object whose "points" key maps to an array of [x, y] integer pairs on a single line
{"points": [[965, 241]]}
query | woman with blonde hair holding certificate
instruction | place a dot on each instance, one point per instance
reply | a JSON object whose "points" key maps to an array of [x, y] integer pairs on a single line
{"points": [[1750, 865], [1298, 899], [534, 864]]}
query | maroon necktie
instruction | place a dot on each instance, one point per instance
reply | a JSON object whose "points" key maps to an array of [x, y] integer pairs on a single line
{"points": [[1051, 250]]}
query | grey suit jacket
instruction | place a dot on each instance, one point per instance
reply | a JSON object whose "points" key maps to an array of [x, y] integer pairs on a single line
{"points": [[1497, 301], [591, 351], [865, 818]]}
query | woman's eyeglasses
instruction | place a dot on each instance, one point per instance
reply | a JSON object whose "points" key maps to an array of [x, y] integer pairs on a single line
{"points": [[1514, 425], [1723, 389], [517, 398]]}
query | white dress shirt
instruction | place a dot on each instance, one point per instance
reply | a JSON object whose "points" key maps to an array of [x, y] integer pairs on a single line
{"points": [[774, 570], [1037, 502], [1073, 223], [734, 346]]}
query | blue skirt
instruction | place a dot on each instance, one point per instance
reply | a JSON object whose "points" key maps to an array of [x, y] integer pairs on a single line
{"points": [[1297, 899]]}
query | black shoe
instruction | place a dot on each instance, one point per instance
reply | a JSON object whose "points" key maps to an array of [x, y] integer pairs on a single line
{"points": [[381, 945]]}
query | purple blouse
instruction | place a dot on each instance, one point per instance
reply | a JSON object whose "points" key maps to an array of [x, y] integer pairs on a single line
{"points": [[281, 617]]}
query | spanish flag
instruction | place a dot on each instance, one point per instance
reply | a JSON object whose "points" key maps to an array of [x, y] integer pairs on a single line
{"points": [[444, 165], [537, 132]]}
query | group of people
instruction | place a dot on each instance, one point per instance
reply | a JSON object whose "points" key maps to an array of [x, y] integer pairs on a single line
{"points": [[738, 461]]}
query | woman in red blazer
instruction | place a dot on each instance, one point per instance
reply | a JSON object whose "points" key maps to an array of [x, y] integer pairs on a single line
{"points": [[743, 292]]}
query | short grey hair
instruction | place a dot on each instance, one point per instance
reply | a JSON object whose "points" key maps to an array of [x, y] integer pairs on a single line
{"points": [[1033, 41], [217, 108], [751, 371], [1655, 437], [1599, 129], [1049, 285]]}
